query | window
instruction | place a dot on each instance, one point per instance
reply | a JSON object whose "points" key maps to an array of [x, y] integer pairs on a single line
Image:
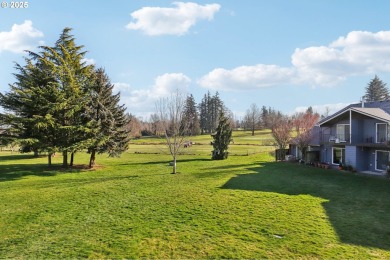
{"points": [[381, 158], [338, 155], [342, 132], [381, 133]]}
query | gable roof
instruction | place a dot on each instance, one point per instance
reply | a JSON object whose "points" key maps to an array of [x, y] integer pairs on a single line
{"points": [[377, 109], [377, 113]]}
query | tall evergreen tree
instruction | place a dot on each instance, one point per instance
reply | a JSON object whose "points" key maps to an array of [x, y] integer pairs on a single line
{"points": [[222, 138], [216, 108], [191, 117], [106, 119], [376, 90], [55, 104], [72, 77], [209, 110], [27, 105]]}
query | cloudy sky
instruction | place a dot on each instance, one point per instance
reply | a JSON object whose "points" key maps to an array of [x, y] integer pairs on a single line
{"points": [[284, 54]]}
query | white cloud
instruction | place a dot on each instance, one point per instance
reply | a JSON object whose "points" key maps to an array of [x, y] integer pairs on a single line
{"points": [[89, 61], [247, 77], [21, 37], [143, 100], [358, 53], [123, 88], [171, 21]]}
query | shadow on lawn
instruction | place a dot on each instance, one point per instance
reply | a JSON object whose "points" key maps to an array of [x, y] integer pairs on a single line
{"points": [[11, 172], [18, 156], [358, 207]]}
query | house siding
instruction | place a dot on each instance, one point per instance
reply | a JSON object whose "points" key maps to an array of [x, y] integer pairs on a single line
{"points": [[326, 154], [350, 155], [357, 130], [362, 159], [369, 130]]}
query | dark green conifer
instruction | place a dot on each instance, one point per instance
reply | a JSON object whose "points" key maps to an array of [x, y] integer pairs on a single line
{"points": [[376, 90]]}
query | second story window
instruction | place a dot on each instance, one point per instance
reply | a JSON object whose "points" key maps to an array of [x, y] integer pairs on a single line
{"points": [[381, 133], [342, 132]]}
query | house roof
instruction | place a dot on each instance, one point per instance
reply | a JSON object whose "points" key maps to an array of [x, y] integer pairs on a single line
{"points": [[373, 112], [377, 109]]}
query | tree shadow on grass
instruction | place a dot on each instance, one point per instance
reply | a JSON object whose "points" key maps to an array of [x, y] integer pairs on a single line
{"points": [[358, 207], [12, 172], [19, 156], [19, 171]]}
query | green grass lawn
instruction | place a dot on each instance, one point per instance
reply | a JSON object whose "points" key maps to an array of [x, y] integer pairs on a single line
{"points": [[244, 144], [243, 207]]}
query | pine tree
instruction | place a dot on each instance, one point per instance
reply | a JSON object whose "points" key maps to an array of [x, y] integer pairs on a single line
{"points": [[222, 138], [204, 113], [29, 101], [72, 79], [216, 107], [105, 118], [58, 103], [190, 117], [209, 110], [376, 90]]}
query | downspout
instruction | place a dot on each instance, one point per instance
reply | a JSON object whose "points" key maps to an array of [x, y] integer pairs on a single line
{"points": [[350, 126]]}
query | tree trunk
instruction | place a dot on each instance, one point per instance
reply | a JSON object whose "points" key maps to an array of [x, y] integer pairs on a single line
{"points": [[65, 159], [36, 154], [253, 131], [71, 159], [49, 159], [174, 165], [92, 158]]}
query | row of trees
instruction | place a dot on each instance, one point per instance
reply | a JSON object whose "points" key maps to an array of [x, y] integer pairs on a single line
{"points": [[61, 104], [200, 118], [256, 118]]}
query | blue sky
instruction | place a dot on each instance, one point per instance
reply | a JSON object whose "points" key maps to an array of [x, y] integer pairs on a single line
{"points": [[285, 54]]}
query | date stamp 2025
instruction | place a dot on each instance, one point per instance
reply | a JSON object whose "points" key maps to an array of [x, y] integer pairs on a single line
{"points": [[14, 4]]}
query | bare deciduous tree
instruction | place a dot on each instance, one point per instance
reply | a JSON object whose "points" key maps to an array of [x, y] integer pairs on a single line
{"points": [[170, 112], [253, 118], [134, 126], [281, 130], [304, 123]]}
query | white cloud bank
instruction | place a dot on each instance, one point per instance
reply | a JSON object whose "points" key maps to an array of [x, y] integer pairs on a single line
{"points": [[143, 100], [358, 53], [21, 37], [171, 21]]}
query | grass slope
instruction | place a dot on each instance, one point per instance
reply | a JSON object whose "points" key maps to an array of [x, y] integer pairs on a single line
{"points": [[243, 207]]}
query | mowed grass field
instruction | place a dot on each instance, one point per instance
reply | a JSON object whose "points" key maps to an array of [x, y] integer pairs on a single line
{"points": [[242, 207], [243, 144]]}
